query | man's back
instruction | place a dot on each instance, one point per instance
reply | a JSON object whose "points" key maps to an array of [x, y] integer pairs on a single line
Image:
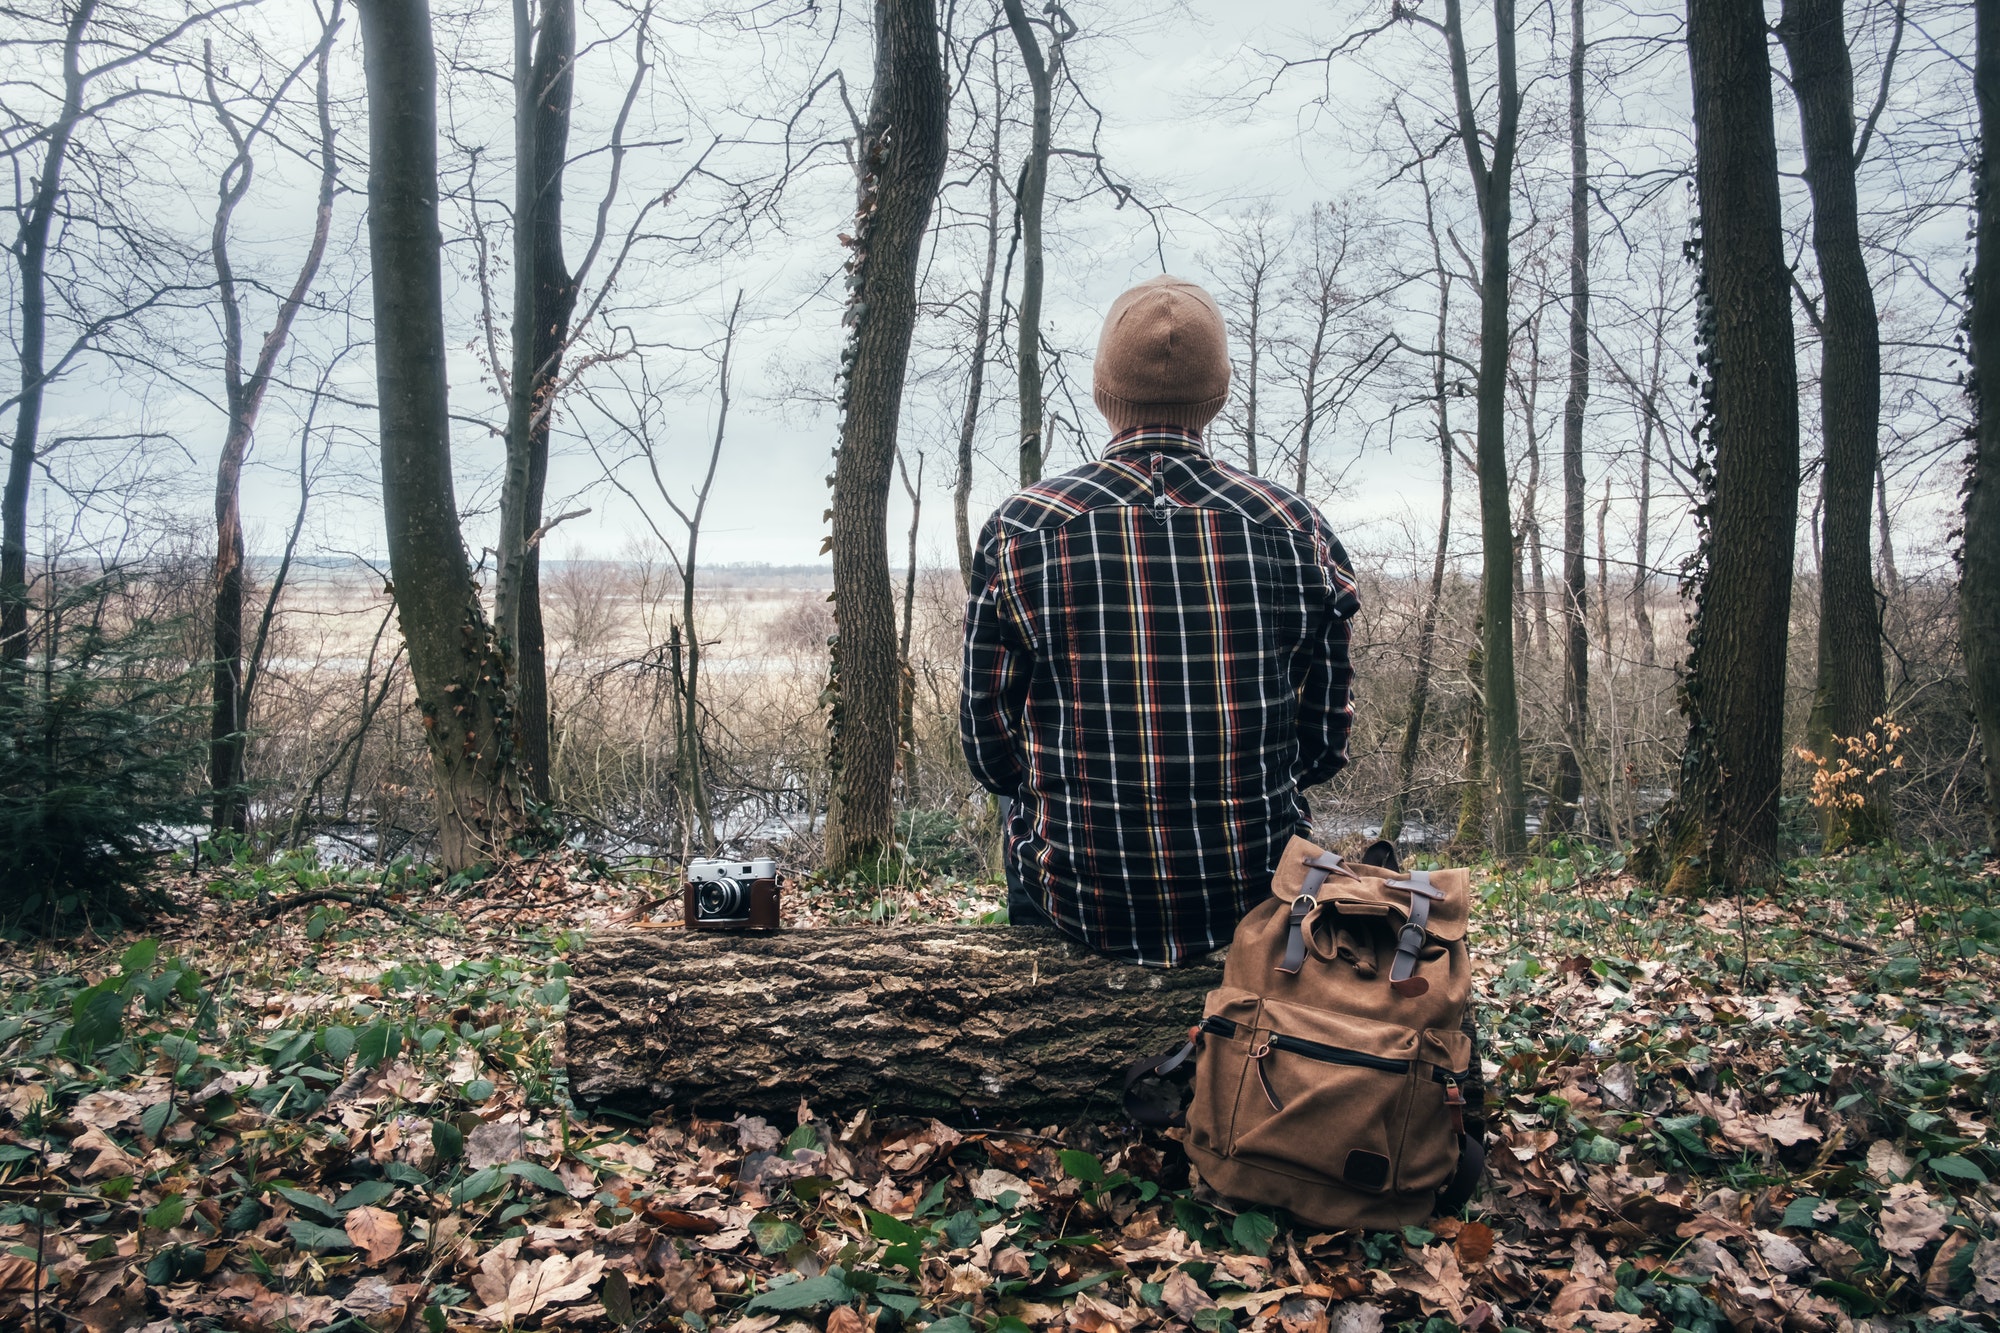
{"points": [[1156, 663]]}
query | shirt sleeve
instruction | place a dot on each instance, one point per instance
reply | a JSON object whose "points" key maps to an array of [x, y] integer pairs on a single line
{"points": [[998, 663], [1326, 702]]}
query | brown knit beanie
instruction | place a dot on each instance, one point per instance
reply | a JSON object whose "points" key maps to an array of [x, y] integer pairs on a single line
{"points": [[1163, 358]]}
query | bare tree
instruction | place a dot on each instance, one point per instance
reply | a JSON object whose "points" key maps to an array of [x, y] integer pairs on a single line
{"points": [[1563, 812], [112, 299], [1724, 828], [1848, 693], [243, 397], [544, 297], [460, 671], [1253, 250], [1979, 571], [1043, 72], [901, 159], [1418, 708], [1492, 183], [906, 713], [982, 330]]}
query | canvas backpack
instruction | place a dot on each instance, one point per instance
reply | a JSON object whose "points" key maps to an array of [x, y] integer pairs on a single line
{"points": [[1331, 1067]]}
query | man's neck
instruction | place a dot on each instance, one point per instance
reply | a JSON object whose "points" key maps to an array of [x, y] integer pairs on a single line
{"points": [[1155, 439]]}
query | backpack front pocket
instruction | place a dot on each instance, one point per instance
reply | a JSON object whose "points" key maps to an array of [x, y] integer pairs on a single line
{"points": [[1323, 1094]]}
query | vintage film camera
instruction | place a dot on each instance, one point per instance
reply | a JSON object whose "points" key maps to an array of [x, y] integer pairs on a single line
{"points": [[731, 895]]}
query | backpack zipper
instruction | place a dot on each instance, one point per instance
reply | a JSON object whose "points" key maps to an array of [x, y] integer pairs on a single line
{"points": [[1334, 1055]]}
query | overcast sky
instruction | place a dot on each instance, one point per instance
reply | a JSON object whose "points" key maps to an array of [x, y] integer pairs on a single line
{"points": [[1181, 124]]}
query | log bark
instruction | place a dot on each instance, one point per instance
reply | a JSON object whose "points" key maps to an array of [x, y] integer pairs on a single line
{"points": [[1013, 1023]]}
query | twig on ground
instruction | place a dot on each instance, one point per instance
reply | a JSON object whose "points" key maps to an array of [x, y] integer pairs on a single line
{"points": [[374, 900], [1845, 942]]}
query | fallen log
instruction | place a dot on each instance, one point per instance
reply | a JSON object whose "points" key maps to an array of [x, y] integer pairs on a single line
{"points": [[1013, 1023]]}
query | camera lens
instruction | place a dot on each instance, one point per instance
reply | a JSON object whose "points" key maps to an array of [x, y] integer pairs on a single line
{"points": [[719, 900]]}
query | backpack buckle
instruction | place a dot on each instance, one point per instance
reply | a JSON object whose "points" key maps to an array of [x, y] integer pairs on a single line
{"points": [[1410, 940]]}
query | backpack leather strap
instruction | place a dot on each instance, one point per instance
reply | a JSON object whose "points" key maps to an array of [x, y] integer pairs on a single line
{"points": [[1317, 870], [1459, 1189], [1410, 941], [1153, 1114]]}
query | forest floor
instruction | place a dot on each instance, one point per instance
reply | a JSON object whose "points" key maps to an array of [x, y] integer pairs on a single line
{"points": [[1765, 1114]]}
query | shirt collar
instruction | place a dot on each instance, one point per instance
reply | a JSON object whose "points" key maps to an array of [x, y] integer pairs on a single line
{"points": [[1155, 439]]}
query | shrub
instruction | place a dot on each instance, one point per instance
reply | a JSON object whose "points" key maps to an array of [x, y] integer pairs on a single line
{"points": [[99, 753]]}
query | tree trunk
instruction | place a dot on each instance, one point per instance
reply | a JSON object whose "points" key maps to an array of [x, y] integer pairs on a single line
{"points": [[229, 715], [1493, 186], [1033, 189], [961, 498], [544, 297], [1470, 834], [460, 672], [31, 253], [1848, 693], [1979, 580], [1019, 1022], [1250, 388], [1723, 832], [1892, 582], [902, 160], [1530, 585], [1563, 812], [906, 711], [1642, 600], [1420, 684]]}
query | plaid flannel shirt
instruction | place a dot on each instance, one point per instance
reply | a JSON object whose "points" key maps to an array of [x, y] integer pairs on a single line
{"points": [[1155, 667]]}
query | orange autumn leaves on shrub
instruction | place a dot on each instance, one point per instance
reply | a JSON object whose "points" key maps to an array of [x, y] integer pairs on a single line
{"points": [[1844, 782]]}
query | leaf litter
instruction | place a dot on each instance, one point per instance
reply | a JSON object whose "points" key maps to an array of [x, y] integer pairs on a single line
{"points": [[1768, 1115]]}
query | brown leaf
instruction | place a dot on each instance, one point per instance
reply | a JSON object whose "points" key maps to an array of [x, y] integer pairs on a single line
{"points": [[16, 1273], [556, 1280], [375, 1231], [845, 1319], [1440, 1287], [1474, 1243], [1986, 1272], [105, 1109], [754, 1133], [121, 1307], [1787, 1125], [1183, 1295], [673, 1219], [378, 1304], [991, 1183], [495, 1143], [1302, 1314], [1909, 1221], [1937, 1282], [111, 1160], [1094, 1316]]}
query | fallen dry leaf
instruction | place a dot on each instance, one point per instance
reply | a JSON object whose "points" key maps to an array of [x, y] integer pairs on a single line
{"points": [[992, 1183], [1184, 1296], [1909, 1221], [1474, 1243], [495, 1143], [556, 1280], [376, 1232], [111, 1160]]}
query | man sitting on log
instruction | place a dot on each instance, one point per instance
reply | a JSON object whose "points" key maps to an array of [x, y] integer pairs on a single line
{"points": [[1155, 658]]}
